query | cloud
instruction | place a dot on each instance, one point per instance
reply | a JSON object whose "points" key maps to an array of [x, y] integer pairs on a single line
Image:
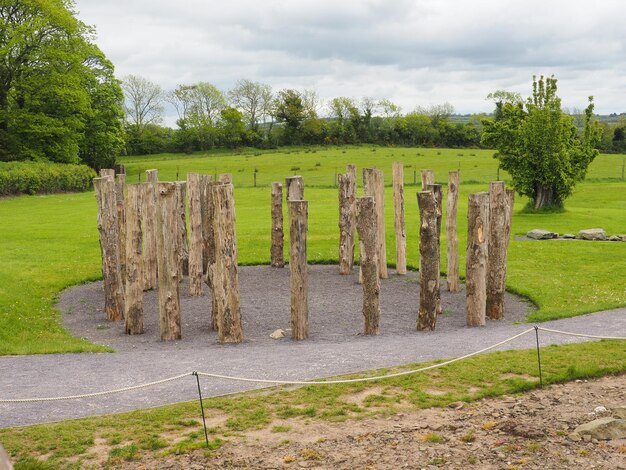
{"points": [[414, 52]]}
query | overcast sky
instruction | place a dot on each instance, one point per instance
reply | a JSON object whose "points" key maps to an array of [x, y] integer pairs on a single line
{"points": [[419, 52]]}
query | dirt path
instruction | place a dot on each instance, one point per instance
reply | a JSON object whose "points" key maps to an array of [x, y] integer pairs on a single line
{"points": [[334, 347], [529, 431]]}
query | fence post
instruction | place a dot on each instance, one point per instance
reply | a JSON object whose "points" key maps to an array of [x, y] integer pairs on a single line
{"points": [[278, 238], [452, 238], [476, 259], [134, 274], [496, 260], [294, 188], [149, 215], [194, 195], [374, 185], [398, 221], [429, 261], [298, 212], [366, 225]]}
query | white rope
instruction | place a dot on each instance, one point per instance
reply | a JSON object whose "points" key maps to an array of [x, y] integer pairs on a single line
{"points": [[95, 394], [582, 335], [363, 379]]}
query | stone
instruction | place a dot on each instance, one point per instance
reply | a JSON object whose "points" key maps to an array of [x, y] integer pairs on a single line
{"points": [[615, 238], [592, 234], [568, 236], [277, 334], [603, 429], [538, 234]]}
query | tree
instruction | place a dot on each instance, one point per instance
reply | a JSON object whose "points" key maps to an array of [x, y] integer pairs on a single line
{"points": [[59, 100], [539, 145], [144, 101], [290, 111], [232, 128], [253, 100]]}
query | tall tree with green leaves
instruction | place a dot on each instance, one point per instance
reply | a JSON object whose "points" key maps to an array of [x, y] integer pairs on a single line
{"points": [[539, 145], [59, 100]]}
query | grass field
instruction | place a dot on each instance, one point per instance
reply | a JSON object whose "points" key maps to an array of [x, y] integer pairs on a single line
{"points": [[50, 242]]}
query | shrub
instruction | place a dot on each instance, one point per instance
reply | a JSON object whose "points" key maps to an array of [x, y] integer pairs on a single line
{"points": [[39, 177]]}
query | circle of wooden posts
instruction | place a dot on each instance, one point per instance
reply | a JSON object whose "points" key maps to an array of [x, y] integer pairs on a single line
{"points": [[154, 213]]}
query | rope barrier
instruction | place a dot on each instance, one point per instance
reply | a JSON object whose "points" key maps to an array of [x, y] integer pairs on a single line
{"points": [[582, 335], [95, 394], [301, 382]]}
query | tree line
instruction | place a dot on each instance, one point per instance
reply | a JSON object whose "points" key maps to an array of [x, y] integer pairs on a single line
{"points": [[252, 114]]}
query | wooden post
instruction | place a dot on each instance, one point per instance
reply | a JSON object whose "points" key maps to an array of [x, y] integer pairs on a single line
{"points": [[496, 262], [298, 212], [429, 261], [428, 178], [347, 220], [366, 226], [134, 273], [168, 261], [438, 192], [510, 203], [277, 248], [294, 188], [226, 281], [399, 224], [452, 238], [210, 238], [207, 226], [109, 246], [374, 185], [476, 260], [149, 215], [183, 248], [107, 172], [120, 180], [194, 194], [226, 178]]}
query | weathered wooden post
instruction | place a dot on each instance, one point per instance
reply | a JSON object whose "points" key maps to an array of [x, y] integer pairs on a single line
{"points": [[194, 194], [107, 172], [428, 178], [366, 226], [347, 220], [399, 224], [168, 261], [298, 212], [452, 238], [496, 262], [134, 272], [120, 181], [429, 261], [294, 188], [109, 246], [374, 185], [149, 215], [277, 248], [183, 248], [207, 230], [438, 192], [210, 239], [225, 282], [226, 178], [476, 260]]}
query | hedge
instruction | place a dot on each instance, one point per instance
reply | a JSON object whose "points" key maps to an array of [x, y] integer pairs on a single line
{"points": [[38, 177]]}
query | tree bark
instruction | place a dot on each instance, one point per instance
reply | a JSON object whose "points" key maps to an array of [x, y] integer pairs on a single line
{"points": [[452, 237], [374, 185], [294, 188], [366, 225], [429, 261], [428, 178], [109, 245], [205, 197], [476, 259], [134, 272], [298, 212], [496, 262], [347, 199], [544, 196], [149, 214], [107, 172], [210, 237], [277, 249], [168, 261], [399, 224], [194, 194], [226, 178], [226, 280], [183, 249], [438, 192], [120, 180]]}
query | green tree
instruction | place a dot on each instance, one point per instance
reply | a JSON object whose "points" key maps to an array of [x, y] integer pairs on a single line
{"points": [[539, 145], [232, 128], [59, 99], [290, 111]]}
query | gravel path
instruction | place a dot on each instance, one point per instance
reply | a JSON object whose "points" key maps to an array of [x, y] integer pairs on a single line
{"points": [[335, 345]]}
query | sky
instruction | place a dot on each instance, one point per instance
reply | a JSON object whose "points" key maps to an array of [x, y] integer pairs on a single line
{"points": [[414, 53]]}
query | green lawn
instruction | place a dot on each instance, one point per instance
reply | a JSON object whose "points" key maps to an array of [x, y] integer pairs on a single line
{"points": [[50, 242]]}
